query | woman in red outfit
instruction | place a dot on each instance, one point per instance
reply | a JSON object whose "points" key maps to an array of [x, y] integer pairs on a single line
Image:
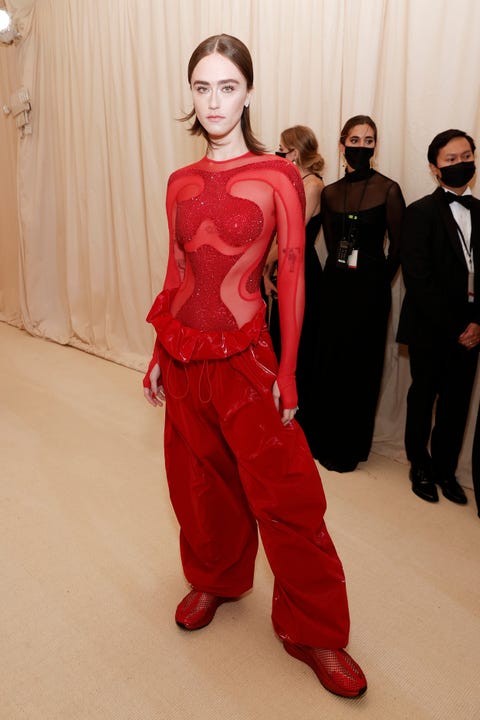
{"points": [[236, 460]]}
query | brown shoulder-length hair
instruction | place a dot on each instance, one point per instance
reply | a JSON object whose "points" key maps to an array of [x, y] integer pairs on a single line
{"points": [[302, 139], [357, 120], [234, 50]]}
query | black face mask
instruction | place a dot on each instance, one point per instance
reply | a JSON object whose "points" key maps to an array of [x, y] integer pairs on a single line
{"points": [[457, 175], [358, 157], [281, 154]]}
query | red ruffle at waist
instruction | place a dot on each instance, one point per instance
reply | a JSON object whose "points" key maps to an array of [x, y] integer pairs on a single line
{"points": [[185, 343]]}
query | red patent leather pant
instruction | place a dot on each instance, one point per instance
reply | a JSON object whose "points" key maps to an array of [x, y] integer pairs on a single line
{"points": [[232, 467]]}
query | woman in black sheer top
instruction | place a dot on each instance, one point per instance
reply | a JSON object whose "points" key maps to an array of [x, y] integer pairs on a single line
{"points": [[360, 212], [299, 145]]}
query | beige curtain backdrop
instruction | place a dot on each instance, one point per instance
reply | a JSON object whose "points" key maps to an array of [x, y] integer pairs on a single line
{"points": [[84, 254], [9, 221]]}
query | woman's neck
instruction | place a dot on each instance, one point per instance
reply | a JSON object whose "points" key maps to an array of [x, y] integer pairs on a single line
{"points": [[226, 149], [361, 174]]}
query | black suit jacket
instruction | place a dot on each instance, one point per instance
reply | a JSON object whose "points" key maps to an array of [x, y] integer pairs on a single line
{"points": [[435, 272]]}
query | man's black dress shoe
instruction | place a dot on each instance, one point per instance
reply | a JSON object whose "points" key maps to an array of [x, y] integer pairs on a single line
{"points": [[452, 490], [423, 485], [340, 466]]}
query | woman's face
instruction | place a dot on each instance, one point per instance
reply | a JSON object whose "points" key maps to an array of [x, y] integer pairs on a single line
{"points": [[220, 94], [287, 152], [360, 136]]}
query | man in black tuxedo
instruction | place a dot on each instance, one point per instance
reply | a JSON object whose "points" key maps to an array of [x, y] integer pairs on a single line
{"points": [[440, 315]]}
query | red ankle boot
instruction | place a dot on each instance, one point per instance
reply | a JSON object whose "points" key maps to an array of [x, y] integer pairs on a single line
{"points": [[336, 670], [197, 609]]}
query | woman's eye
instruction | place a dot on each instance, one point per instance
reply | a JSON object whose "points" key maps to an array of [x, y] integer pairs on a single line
{"points": [[228, 88]]}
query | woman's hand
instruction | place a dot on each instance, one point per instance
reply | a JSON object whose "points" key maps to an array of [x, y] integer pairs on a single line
{"points": [[269, 287], [272, 257], [155, 394], [287, 413], [470, 338]]}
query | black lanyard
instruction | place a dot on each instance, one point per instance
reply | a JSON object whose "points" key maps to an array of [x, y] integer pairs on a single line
{"points": [[352, 216], [468, 248]]}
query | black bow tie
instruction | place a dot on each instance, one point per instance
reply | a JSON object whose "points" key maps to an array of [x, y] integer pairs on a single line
{"points": [[465, 200]]}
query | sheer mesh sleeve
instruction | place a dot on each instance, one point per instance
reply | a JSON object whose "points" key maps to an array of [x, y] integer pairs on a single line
{"points": [[174, 274], [176, 256], [151, 365], [290, 206], [395, 210]]}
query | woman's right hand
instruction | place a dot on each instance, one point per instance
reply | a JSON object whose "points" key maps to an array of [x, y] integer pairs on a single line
{"points": [[269, 287], [155, 394], [268, 270]]}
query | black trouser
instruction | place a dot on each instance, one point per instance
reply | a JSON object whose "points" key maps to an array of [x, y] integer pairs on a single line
{"points": [[443, 372], [476, 462]]}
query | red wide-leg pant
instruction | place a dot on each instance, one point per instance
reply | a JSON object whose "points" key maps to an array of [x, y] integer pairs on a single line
{"points": [[232, 466]]}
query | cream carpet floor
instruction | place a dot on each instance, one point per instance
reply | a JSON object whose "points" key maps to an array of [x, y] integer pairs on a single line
{"points": [[90, 574]]}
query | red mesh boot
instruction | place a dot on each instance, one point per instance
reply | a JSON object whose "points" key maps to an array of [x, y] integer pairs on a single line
{"points": [[197, 609], [336, 670]]}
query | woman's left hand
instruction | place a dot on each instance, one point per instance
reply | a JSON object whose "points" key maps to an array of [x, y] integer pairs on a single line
{"points": [[287, 413]]}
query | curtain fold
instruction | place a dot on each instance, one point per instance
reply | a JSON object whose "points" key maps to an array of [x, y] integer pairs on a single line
{"points": [[10, 309], [84, 257]]}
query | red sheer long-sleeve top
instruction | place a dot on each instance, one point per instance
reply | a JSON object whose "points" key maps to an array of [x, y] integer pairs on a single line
{"points": [[222, 217]]}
